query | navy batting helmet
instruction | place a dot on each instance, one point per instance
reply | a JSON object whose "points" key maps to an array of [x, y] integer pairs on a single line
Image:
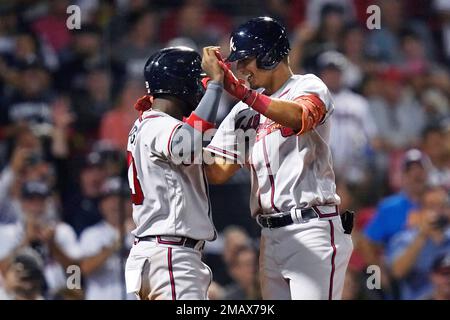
{"points": [[175, 71], [263, 38]]}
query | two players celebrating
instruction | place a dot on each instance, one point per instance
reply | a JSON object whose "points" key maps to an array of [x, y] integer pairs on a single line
{"points": [[304, 247]]}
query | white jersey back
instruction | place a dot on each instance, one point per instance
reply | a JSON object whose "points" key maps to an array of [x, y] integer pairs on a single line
{"points": [[168, 199], [288, 171]]}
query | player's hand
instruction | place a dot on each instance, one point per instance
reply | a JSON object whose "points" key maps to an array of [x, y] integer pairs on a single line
{"points": [[232, 85], [210, 64]]}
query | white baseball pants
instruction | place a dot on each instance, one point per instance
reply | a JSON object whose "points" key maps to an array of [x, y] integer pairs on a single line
{"points": [[163, 272], [305, 261]]}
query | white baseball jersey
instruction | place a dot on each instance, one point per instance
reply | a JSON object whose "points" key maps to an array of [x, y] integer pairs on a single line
{"points": [[288, 171], [168, 199], [307, 259]]}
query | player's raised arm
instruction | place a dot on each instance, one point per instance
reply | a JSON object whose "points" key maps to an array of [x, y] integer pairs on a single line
{"points": [[302, 114], [204, 116]]}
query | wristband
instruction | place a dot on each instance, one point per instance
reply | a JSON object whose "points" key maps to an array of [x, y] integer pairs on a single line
{"points": [[257, 101], [204, 125]]}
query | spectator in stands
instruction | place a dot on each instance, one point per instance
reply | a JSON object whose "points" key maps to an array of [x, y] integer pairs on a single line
{"points": [[353, 286], [80, 201], [392, 212], [124, 17], [411, 253], [434, 99], [389, 112], [24, 277], [8, 178], [90, 105], [384, 44], [106, 244], [356, 200], [352, 46], [116, 124], [31, 102], [243, 269], [113, 158], [234, 238], [9, 24], [327, 35], [196, 20], [85, 52], [52, 27], [317, 10], [433, 145], [140, 43], [26, 51], [414, 61], [442, 8], [40, 229], [353, 134], [440, 278], [28, 162]]}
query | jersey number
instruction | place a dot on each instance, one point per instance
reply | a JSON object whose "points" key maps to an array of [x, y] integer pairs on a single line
{"points": [[137, 196]]}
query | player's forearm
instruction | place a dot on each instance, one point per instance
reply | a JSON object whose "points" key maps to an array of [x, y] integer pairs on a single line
{"points": [[220, 171], [286, 113], [189, 137], [209, 104], [303, 114], [404, 263]]}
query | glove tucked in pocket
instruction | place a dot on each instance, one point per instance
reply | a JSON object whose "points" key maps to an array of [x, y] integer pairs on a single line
{"points": [[347, 219]]}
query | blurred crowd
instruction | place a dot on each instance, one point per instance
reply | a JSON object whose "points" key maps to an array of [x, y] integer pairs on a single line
{"points": [[66, 107]]}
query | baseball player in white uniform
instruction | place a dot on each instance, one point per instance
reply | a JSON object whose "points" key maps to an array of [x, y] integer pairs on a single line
{"points": [[304, 247], [171, 207]]}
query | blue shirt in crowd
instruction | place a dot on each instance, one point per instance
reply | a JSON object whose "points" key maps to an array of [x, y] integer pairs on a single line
{"points": [[416, 284], [389, 219]]}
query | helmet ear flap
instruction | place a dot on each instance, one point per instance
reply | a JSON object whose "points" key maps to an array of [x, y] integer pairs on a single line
{"points": [[271, 58], [268, 61]]}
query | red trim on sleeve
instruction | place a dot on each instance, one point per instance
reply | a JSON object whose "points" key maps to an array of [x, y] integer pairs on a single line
{"points": [[149, 117], [193, 121]]}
